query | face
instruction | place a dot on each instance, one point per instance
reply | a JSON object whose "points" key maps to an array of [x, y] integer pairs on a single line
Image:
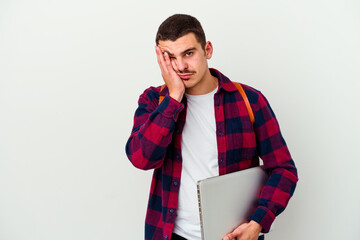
{"points": [[189, 60]]}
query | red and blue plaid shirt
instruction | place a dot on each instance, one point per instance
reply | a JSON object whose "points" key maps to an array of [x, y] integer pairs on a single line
{"points": [[155, 143]]}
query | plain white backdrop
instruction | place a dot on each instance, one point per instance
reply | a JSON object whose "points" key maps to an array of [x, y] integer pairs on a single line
{"points": [[70, 75]]}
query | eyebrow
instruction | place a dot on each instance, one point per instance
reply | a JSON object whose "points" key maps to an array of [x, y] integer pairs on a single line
{"points": [[187, 50]]}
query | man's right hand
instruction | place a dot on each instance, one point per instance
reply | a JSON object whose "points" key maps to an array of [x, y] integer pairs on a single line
{"points": [[174, 83]]}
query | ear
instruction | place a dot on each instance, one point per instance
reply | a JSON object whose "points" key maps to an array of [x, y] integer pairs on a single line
{"points": [[208, 50]]}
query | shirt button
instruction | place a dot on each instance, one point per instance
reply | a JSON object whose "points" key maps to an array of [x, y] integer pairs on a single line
{"points": [[166, 236], [171, 210], [178, 131], [175, 183], [221, 160], [177, 156]]}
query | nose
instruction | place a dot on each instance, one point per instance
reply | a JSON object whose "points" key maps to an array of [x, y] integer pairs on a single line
{"points": [[181, 65]]}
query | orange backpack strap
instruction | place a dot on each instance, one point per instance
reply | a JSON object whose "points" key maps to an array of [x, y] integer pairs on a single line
{"points": [[246, 100], [161, 97]]}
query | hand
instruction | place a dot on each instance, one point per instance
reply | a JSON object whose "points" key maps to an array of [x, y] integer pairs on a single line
{"points": [[246, 231], [174, 83]]}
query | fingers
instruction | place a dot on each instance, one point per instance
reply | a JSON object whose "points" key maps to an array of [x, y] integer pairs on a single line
{"points": [[245, 231], [235, 234], [174, 66], [160, 59], [164, 60], [228, 237], [168, 61]]}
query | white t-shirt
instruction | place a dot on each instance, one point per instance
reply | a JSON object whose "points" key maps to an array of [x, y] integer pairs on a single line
{"points": [[200, 161]]}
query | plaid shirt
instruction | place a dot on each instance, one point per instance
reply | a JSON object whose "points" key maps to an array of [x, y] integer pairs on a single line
{"points": [[155, 143]]}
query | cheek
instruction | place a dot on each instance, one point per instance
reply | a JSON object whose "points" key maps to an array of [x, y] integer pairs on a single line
{"points": [[197, 62]]}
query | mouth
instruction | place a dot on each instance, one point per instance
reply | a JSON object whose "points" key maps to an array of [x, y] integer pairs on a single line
{"points": [[185, 76]]}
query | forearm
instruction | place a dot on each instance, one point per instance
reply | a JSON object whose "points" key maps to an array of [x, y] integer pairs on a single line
{"points": [[276, 194], [278, 163], [152, 133]]}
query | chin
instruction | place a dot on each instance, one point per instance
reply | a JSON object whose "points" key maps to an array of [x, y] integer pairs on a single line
{"points": [[188, 81], [190, 84]]}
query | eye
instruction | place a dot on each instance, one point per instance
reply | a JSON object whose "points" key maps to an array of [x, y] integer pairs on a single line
{"points": [[188, 54]]}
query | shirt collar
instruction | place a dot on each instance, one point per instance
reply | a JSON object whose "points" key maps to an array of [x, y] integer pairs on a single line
{"points": [[224, 82]]}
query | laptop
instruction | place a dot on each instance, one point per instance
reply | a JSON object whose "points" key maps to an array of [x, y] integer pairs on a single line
{"points": [[227, 201]]}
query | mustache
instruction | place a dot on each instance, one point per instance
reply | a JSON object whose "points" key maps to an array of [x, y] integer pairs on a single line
{"points": [[185, 71]]}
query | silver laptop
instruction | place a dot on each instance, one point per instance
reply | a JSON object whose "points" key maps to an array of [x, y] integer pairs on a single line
{"points": [[227, 201]]}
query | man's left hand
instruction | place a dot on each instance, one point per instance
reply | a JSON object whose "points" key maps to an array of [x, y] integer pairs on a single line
{"points": [[246, 231]]}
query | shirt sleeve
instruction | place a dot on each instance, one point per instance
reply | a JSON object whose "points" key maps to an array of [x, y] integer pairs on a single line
{"points": [[152, 131], [278, 163]]}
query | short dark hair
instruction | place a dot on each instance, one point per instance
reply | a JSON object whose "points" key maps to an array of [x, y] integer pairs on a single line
{"points": [[179, 25]]}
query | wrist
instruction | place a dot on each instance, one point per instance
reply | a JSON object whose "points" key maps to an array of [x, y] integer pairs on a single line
{"points": [[255, 226], [177, 96]]}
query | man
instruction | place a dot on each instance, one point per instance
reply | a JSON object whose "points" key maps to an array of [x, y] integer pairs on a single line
{"points": [[201, 128]]}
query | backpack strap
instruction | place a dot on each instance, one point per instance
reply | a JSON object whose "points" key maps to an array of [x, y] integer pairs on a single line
{"points": [[246, 100], [161, 97], [241, 91]]}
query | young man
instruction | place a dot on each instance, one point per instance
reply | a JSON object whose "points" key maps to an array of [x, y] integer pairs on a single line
{"points": [[200, 129]]}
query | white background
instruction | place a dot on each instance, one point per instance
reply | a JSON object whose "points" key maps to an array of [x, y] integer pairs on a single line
{"points": [[71, 72]]}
